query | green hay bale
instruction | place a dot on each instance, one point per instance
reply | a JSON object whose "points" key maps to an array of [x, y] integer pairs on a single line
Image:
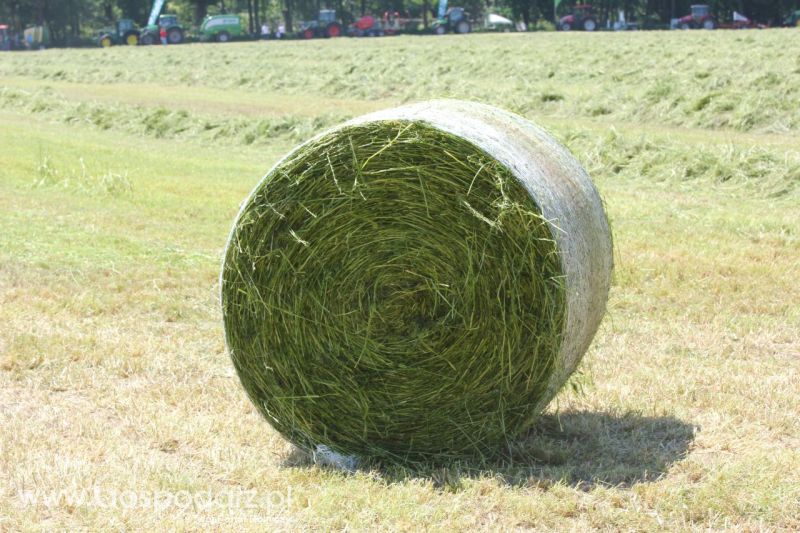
{"points": [[415, 284]]}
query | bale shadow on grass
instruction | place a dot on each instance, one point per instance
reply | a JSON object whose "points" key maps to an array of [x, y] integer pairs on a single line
{"points": [[579, 448]]}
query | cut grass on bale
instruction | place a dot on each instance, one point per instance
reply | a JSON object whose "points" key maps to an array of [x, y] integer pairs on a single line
{"points": [[415, 312]]}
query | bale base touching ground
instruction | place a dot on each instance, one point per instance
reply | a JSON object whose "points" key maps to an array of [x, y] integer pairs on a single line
{"points": [[416, 283]]}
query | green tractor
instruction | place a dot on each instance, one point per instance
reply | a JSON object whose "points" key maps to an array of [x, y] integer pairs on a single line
{"points": [[454, 20], [125, 32], [175, 33]]}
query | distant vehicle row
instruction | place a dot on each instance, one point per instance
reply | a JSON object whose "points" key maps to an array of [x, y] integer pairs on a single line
{"points": [[223, 28], [583, 17]]}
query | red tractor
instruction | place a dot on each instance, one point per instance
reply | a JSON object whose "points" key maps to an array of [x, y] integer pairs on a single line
{"points": [[581, 18], [700, 17]]}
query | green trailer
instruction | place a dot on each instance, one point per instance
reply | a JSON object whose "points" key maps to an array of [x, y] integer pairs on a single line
{"points": [[221, 28]]}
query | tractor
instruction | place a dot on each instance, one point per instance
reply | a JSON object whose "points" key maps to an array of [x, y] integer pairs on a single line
{"points": [[581, 18], [175, 33], [326, 25], [454, 20], [124, 32], [793, 20], [700, 17]]}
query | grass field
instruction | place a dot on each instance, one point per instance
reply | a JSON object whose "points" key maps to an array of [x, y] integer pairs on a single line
{"points": [[121, 171]]}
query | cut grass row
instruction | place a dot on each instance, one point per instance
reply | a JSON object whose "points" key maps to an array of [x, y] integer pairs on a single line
{"points": [[768, 170], [725, 80]]}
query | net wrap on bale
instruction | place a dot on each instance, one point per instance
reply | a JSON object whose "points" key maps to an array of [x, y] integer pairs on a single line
{"points": [[415, 283]]}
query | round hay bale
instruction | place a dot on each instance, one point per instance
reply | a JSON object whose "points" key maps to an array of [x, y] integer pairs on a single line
{"points": [[416, 283]]}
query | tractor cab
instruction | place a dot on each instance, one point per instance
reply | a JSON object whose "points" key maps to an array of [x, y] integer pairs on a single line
{"points": [[581, 18], [167, 21], [124, 26], [326, 16], [456, 15], [700, 11]]}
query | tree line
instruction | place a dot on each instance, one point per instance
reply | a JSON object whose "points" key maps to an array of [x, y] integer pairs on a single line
{"points": [[71, 20]]}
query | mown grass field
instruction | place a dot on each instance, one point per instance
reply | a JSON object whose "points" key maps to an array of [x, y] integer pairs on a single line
{"points": [[121, 171]]}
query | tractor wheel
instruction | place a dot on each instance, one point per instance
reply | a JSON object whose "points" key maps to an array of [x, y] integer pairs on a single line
{"points": [[174, 36], [440, 30], [147, 39], [709, 24], [223, 37], [463, 27], [308, 34], [105, 41], [589, 25], [333, 30], [566, 26]]}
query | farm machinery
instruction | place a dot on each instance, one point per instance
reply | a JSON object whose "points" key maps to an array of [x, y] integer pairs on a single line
{"points": [[369, 26], [123, 32], [175, 33], [741, 22], [454, 20], [699, 18], [793, 19], [126, 32], [581, 18], [221, 28], [326, 25]]}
